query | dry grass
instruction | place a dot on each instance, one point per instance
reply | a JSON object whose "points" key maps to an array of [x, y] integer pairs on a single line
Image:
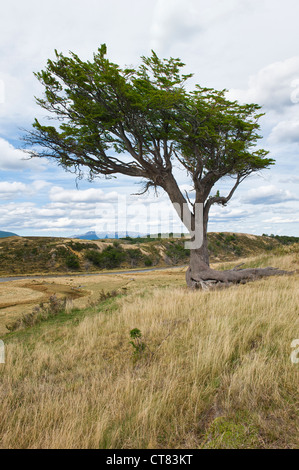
{"points": [[216, 372]]}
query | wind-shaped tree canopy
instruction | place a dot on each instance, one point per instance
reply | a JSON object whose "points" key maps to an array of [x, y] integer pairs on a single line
{"points": [[142, 122], [137, 121]]}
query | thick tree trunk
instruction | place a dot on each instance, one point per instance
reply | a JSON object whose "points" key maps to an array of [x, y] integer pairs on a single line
{"points": [[199, 275]]}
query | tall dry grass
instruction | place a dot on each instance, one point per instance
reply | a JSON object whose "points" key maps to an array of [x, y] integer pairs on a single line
{"points": [[216, 372]]}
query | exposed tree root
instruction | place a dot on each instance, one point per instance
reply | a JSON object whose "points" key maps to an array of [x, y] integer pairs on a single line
{"points": [[208, 278]]}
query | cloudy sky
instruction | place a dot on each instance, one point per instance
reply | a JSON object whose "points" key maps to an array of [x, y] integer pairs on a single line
{"points": [[249, 47]]}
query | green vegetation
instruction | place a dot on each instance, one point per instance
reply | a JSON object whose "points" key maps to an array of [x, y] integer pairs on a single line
{"points": [[72, 261], [283, 239], [79, 246], [111, 257], [225, 433], [58, 255], [137, 344], [147, 261], [176, 252]]}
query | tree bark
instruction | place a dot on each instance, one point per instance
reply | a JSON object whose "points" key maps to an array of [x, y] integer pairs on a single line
{"points": [[199, 275]]}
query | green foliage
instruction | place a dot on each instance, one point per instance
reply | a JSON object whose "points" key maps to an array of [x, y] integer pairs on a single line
{"points": [[77, 246], [134, 253], [72, 261], [137, 344], [238, 251], [176, 252], [230, 238], [147, 113], [225, 433], [148, 261], [111, 257], [134, 256], [283, 239]]}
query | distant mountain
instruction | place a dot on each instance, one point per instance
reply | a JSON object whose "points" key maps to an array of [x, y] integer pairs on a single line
{"points": [[92, 235], [7, 234], [86, 236]]}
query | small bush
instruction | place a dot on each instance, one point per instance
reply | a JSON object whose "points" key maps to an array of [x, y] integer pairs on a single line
{"points": [[230, 238], [72, 261], [110, 257], [107, 295], [176, 252], [147, 261], [137, 344], [134, 255]]}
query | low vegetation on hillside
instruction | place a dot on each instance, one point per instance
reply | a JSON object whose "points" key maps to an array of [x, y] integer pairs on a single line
{"points": [[32, 255], [202, 370]]}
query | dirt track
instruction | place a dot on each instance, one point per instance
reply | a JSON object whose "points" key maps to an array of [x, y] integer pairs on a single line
{"points": [[18, 297]]}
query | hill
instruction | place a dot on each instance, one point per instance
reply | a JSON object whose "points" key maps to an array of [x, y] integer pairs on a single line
{"points": [[33, 255], [92, 235], [7, 234]]}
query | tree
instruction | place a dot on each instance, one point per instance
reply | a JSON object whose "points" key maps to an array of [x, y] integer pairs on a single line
{"points": [[140, 122]]}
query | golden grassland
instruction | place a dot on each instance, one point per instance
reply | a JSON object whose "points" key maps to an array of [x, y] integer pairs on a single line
{"points": [[18, 297], [215, 371]]}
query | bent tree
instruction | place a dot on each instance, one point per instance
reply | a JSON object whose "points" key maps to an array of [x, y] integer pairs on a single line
{"points": [[141, 122]]}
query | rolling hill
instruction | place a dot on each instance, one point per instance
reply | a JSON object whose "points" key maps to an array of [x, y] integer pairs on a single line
{"points": [[38, 255], [7, 234]]}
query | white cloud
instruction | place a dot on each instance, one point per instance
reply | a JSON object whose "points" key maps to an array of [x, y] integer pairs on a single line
{"points": [[290, 179], [218, 213], [223, 43], [268, 195], [17, 189], [9, 190], [274, 86], [59, 194], [14, 159], [281, 220], [285, 132], [174, 20]]}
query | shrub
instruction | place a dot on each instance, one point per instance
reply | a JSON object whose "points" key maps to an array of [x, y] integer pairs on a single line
{"points": [[238, 250], [177, 252], [133, 255], [110, 257], [137, 344], [148, 261], [230, 238], [72, 261]]}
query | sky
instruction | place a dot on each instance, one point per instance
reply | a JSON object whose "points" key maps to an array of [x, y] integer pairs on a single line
{"points": [[249, 47]]}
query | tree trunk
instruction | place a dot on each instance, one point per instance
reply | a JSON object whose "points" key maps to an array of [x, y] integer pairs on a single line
{"points": [[199, 275]]}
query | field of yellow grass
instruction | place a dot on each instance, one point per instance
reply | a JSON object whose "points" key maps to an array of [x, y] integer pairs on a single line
{"points": [[214, 372]]}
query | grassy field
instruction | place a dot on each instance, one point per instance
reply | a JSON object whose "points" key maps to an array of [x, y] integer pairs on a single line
{"points": [[211, 369]]}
